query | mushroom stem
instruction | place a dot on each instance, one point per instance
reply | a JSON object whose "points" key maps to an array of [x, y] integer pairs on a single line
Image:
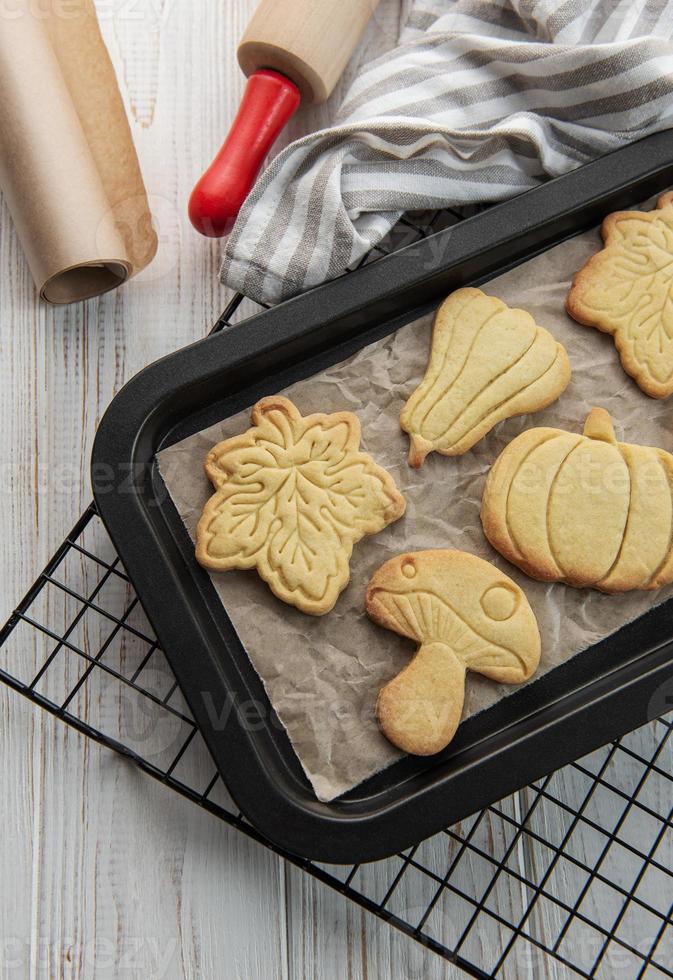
{"points": [[419, 710]]}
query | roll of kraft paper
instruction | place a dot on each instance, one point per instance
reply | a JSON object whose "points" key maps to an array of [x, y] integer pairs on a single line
{"points": [[68, 168]]}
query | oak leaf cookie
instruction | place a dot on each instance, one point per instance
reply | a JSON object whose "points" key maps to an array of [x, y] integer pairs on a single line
{"points": [[627, 290], [583, 509], [292, 496], [487, 363], [465, 614]]}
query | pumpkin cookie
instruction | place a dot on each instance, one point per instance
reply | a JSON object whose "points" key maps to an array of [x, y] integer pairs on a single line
{"points": [[487, 363], [583, 509], [292, 496], [465, 615], [627, 290]]}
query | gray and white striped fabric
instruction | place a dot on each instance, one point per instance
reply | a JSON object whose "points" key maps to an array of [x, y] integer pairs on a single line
{"points": [[481, 100]]}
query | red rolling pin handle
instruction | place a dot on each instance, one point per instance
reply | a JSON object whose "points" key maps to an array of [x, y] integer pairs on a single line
{"points": [[269, 101]]}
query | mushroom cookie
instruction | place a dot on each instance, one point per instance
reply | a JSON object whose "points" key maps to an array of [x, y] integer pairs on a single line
{"points": [[292, 496], [465, 615], [487, 363], [627, 290], [583, 509]]}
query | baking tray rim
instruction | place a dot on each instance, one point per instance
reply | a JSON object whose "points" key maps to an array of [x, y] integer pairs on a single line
{"points": [[306, 827]]}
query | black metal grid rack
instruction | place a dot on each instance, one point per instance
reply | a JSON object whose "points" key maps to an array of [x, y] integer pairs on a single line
{"points": [[582, 860]]}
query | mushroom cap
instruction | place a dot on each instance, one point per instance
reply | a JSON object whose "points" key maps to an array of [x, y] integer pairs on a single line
{"points": [[458, 599]]}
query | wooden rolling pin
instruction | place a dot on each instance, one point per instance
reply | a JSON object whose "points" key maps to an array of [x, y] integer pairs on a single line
{"points": [[292, 51]]}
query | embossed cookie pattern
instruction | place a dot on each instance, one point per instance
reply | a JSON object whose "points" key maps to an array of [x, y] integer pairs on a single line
{"points": [[465, 614], [487, 363], [627, 290], [583, 509], [292, 497]]}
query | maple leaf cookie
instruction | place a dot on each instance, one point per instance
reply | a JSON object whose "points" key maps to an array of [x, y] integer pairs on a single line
{"points": [[487, 363], [627, 290], [292, 496]]}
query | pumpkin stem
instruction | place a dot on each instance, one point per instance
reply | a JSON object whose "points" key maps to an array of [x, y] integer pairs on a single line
{"points": [[599, 426], [419, 710]]}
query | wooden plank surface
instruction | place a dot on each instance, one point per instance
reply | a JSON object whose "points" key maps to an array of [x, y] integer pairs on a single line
{"points": [[104, 872]]}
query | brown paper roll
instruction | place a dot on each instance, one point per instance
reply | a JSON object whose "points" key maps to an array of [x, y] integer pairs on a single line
{"points": [[68, 167]]}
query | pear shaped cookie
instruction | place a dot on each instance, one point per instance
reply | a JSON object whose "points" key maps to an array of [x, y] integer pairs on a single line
{"points": [[583, 509], [465, 615], [627, 290], [487, 363], [292, 496]]}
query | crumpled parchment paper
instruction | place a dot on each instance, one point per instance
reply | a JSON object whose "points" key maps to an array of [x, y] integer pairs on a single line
{"points": [[322, 675]]}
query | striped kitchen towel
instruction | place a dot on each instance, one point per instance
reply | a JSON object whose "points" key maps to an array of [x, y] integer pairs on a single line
{"points": [[481, 100]]}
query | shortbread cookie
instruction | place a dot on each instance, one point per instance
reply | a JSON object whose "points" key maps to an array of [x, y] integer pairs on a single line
{"points": [[465, 615], [583, 509], [487, 363], [292, 496], [627, 290]]}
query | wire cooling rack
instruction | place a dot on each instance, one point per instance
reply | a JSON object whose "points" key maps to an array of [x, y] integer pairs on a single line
{"points": [[572, 876]]}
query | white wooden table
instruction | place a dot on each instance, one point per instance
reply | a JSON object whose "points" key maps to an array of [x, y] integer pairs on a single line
{"points": [[103, 872]]}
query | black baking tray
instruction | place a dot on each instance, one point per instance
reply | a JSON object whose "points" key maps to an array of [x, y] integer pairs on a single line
{"points": [[611, 688]]}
